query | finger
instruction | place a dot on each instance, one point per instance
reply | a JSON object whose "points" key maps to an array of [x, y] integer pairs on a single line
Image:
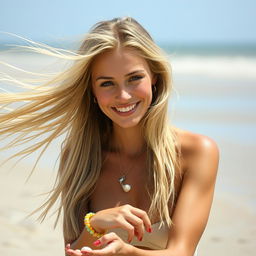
{"points": [[72, 252], [129, 228], [138, 225], [136, 218], [110, 249], [107, 239], [144, 216]]}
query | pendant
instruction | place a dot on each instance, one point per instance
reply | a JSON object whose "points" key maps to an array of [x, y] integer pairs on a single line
{"points": [[126, 187]]}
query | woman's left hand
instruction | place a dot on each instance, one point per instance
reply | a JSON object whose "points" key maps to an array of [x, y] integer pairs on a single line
{"points": [[72, 252], [112, 245]]}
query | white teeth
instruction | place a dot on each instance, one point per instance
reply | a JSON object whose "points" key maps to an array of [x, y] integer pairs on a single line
{"points": [[126, 109]]}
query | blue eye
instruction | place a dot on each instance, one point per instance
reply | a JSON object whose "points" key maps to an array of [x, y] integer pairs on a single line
{"points": [[106, 83], [135, 78]]}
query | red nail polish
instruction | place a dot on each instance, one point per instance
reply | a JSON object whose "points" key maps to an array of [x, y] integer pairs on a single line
{"points": [[140, 239], [150, 230], [97, 242]]}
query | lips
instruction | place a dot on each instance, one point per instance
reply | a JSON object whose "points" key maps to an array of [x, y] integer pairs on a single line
{"points": [[126, 109]]}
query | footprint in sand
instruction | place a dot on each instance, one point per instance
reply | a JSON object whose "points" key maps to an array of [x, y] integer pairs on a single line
{"points": [[216, 239], [242, 240]]}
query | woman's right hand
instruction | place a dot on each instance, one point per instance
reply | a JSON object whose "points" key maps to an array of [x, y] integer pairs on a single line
{"points": [[127, 217]]}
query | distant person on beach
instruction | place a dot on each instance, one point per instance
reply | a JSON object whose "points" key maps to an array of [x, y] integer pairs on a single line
{"points": [[129, 182]]}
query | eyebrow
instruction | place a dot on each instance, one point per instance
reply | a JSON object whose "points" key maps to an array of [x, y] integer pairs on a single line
{"points": [[109, 77]]}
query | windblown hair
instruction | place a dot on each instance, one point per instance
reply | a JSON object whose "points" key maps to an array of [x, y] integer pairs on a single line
{"points": [[64, 105]]}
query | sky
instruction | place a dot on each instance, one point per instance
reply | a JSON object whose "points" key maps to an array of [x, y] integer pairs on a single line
{"points": [[177, 21]]}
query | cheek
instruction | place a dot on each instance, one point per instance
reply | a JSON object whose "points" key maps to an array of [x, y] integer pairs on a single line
{"points": [[103, 98], [145, 91]]}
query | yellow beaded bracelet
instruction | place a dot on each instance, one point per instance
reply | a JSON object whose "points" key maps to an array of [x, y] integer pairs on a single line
{"points": [[89, 227]]}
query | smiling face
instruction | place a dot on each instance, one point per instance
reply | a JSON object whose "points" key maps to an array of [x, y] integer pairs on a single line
{"points": [[122, 84]]}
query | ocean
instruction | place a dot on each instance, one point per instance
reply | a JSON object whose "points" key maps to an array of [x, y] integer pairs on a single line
{"points": [[214, 94]]}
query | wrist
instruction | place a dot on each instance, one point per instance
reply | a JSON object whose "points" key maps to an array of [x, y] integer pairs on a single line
{"points": [[129, 249], [89, 227], [95, 227]]}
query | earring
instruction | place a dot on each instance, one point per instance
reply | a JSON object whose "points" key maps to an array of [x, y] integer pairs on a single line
{"points": [[153, 88]]}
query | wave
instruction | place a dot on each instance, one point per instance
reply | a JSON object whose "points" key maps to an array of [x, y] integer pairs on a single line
{"points": [[215, 66]]}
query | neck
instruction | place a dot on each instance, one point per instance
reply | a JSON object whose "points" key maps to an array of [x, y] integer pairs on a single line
{"points": [[128, 141]]}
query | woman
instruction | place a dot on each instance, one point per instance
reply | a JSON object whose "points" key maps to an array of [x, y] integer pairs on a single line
{"points": [[129, 183]]}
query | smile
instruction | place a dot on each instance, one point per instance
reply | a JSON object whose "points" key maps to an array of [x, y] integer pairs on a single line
{"points": [[127, 109]]}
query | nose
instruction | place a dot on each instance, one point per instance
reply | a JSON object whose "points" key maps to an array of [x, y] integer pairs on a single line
{"points": [[123, 93]]}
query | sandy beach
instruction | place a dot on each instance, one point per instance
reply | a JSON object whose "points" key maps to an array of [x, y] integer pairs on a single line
{"points": [[20, 234], [217, 106]]}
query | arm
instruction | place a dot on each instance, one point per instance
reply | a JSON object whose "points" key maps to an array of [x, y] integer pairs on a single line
{"points": [[195, 199], [192, 208], [127, 217], [85, 238]]}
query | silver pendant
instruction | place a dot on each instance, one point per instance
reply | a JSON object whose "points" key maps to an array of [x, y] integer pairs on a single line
{"points": [[126, 187]]}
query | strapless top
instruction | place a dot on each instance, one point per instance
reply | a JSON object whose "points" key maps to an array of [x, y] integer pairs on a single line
{"points": [[157, 240]]}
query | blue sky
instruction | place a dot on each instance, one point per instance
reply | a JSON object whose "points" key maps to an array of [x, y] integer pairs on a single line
{"points": [[178, 21]]}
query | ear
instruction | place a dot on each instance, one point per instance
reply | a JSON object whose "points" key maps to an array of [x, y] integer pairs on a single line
{"points": [[154, 79]]}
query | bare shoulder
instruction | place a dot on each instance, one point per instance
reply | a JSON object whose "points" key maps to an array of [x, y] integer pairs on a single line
{"points": [[192, 143], [198, 152]]}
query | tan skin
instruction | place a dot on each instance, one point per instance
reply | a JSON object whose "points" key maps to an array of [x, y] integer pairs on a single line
{"points": [[126, 83]]}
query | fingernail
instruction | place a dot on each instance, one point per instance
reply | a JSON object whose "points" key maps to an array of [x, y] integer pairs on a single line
{"points": [[97, 242], [85, 253], [150, 230], [140, 239]]}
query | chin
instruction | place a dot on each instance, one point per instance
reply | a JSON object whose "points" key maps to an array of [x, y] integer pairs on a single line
{"points": [[127, 125]]}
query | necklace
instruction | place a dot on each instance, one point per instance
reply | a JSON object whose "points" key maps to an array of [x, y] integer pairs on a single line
{"points": [[126, 187]]}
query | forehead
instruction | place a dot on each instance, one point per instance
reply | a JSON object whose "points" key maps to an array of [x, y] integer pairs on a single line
{"points": [[118, 62]]}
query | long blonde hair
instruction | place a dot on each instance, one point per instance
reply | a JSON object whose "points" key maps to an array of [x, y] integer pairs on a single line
{"points": [[65, 105]]}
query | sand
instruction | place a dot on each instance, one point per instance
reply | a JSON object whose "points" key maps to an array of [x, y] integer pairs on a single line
{"points": [[21, 235]]}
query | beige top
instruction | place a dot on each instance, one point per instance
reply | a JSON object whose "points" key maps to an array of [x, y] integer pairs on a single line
{"points": [[157, 240]]}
